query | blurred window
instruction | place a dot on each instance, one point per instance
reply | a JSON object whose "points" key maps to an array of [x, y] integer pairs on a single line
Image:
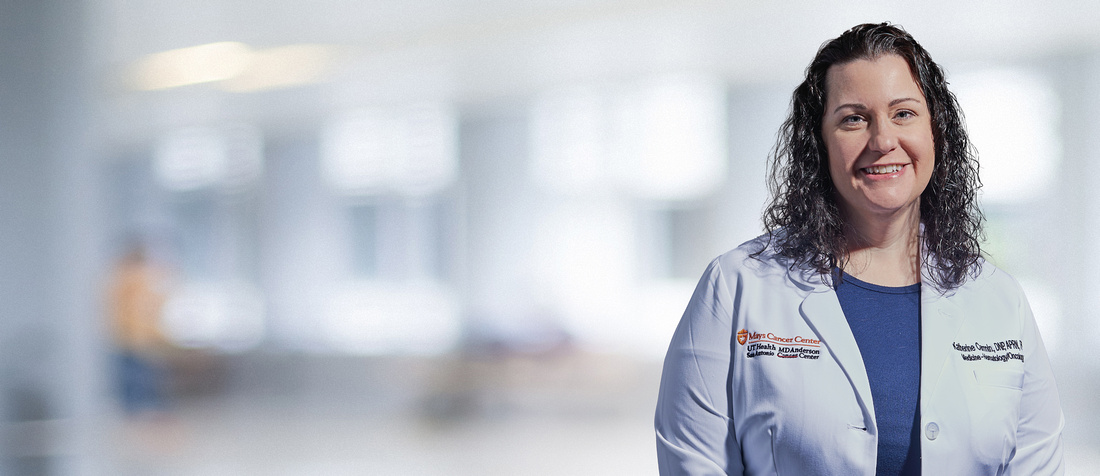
{"points": [[363, 228], [663, 139], [408, 151], [193, 218], [1012, 116], [674, 242], [399, 299], [398, 238], [206, 181], [229, 157], [227, 315]]}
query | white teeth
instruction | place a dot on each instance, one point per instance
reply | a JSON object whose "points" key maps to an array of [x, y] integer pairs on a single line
{"points": [[883, 169]]}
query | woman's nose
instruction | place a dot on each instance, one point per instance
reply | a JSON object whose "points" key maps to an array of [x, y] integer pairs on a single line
{"points": [[884, 137]]}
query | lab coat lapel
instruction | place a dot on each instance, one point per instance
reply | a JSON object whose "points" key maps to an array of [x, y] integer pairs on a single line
{"points": [[941, 320], [821, 310]]}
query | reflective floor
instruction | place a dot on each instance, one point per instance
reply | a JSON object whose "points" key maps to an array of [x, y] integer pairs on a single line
{"points": [[567, 413], [548, 415]]}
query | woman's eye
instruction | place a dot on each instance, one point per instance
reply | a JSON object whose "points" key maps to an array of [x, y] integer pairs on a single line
{"points": [[852, 120], [905, 114]]}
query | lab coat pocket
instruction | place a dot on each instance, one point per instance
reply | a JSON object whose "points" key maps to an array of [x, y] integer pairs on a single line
{"points": [[1005, 378], [995, 414]]}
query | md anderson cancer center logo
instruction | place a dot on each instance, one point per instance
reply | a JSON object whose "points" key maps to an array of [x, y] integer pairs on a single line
{"points": [[761, 344]]}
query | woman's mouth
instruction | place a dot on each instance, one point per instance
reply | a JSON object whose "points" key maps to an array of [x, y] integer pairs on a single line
{"points": [[882, 169]]}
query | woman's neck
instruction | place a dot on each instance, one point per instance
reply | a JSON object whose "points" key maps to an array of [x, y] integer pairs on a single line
{"points": [[884, 250]]}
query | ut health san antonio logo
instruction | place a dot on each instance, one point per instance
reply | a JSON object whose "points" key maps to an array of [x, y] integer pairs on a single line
{"points": [[767, 344]]}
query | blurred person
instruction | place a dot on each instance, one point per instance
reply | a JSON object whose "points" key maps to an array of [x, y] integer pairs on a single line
{"points": [[137, 296], [863, 333]]}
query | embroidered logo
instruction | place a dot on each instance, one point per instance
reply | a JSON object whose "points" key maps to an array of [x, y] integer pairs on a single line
{"points": [[760, 344], [1001, 351]]}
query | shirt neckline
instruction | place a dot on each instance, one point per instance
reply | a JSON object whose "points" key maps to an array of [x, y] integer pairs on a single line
{"points": [[908, 289]]}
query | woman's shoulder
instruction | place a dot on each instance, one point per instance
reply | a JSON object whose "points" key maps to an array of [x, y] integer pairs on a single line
{"points": [[990, 275], [751, 268], [991, 280], [757, 256]]}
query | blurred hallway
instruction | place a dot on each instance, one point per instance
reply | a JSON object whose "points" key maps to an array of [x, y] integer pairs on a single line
{"points": [[454, 237]]}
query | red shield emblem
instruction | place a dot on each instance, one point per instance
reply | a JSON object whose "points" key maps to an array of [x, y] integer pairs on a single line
{"points": [[742, 336]]}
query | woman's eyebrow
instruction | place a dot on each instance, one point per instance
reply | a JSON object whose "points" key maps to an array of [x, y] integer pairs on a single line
{"points": [[854, 105], [901, 100], [860, 107]]}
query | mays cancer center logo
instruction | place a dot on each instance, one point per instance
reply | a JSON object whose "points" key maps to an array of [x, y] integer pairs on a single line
{"points": [[760, 344]]}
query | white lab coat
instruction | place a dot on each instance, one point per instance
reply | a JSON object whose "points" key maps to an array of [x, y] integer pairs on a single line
{"points": [[728, 407]]}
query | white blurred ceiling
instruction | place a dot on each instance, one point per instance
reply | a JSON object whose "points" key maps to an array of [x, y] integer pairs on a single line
{"points": [[481, 52]]}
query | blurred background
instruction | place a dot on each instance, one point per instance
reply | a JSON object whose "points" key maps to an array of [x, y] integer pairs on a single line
{"points": [[449, 237]]}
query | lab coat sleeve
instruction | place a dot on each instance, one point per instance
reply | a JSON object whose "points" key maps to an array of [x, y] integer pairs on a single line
{"points": [[1039, 434], [693, 425]]}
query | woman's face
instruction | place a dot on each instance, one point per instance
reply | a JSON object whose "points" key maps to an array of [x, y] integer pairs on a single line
{"points": [[878, 133]]}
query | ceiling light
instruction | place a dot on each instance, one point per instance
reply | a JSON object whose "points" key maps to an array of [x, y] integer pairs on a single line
{"points": [[236, 67], [281, 67], [193, 65]]}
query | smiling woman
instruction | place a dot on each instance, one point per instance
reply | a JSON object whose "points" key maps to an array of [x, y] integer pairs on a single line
{"points": [[878, 133], [872, 253]]}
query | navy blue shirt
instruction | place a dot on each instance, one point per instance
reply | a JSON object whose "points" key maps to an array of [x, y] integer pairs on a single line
{"points": [[886, 324]]}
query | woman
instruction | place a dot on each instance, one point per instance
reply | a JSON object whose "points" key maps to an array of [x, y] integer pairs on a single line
{"points": [[863, 333]]}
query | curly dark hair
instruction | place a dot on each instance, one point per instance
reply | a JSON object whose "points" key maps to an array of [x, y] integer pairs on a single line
{"points": [[803, 220]]}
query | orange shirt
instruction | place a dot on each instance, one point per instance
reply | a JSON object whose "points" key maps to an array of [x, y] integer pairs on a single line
{"points": [[136, 303]]}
